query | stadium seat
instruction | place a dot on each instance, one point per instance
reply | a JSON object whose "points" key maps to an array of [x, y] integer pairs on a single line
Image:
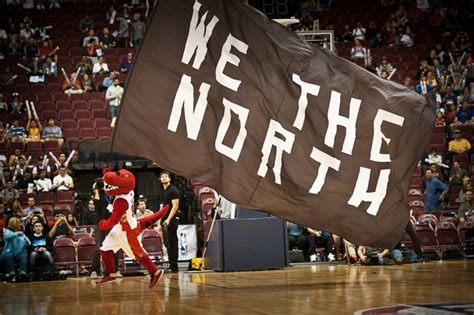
{"points": [[427, 237], [85, 250], [99, 113], [46, 198], [63, 105], [65, 208], [49, 105], [77, 97], [82, 114], [54, 87], [34, 146], [68, 124], [65, 114], [60, 96], [80, 105], [152, 243], [97, 104], [80, 235], [448, 238], [104, 133], [47, 211], [38, 88], [64, 196], [85, 123], [44, 97], [64, 253], [87, 134], [93, 96]]}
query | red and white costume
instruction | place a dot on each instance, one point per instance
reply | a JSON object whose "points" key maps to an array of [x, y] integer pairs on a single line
{"points": [[125, 230]]}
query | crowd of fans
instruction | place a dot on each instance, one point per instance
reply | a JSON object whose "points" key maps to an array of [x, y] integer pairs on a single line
{"points": [[32, 51]]}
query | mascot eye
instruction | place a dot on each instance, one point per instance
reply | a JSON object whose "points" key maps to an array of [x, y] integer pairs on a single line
{"points": [[125, 175]]}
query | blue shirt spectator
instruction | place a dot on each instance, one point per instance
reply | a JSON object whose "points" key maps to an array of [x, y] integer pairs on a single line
{"points": [[464, 114], [434, 191]]}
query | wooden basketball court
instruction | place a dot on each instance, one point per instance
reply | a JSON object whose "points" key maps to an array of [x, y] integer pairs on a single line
{"points": [[310, 289]]}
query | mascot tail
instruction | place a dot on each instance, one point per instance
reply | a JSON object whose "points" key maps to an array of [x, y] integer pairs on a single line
{"points": [[145, 222]]}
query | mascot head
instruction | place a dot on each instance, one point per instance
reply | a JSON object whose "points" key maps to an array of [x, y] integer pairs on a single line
{"points": [[120, 182]]}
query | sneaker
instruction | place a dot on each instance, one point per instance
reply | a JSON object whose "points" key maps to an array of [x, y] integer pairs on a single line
{"points": [[118, 274], [106, 279], [155, 279], [312, 258], [331, 257], [93, 275]]}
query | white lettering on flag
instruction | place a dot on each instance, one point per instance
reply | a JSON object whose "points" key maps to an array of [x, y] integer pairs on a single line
{"points": [[382, 115], [326, 161], [184, 100], [335, 120], [242, 113], [198, 36], [280, 145], [228, 57], [306, 88], [360, 191]]}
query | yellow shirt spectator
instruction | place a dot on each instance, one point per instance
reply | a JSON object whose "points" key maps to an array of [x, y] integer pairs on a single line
{"points": [[459, 145]]}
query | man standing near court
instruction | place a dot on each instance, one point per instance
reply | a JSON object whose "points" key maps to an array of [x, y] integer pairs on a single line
{"points": [[170, 196]]}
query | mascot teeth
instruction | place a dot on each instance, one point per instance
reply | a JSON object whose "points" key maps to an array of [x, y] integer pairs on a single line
{"points": [[110, 187]]}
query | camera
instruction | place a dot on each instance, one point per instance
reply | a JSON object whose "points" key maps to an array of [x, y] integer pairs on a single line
{"points": [[99, 183]]}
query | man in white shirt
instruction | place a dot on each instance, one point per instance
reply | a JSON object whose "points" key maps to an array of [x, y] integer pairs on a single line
{"points": [[114, 96], [62, 181], [100, 67], [43, 184]]}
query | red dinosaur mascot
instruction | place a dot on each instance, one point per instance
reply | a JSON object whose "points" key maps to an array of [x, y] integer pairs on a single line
{"points": [[125, 230]]}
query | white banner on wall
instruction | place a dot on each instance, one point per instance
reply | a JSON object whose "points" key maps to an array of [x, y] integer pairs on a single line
{"points": [[187, 243]]}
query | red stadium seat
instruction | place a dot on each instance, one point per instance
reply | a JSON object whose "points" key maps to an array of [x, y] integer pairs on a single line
{"points": [[85, 250], [104, 133], [42, 106], [63, 105], [50, 146], [427, 237], [38, 88], [81, 235], [448, 238], [99, 113], [97, 104], [65, 253], [46, 198], [77, 97], [44, 97], [102, 123], [80, 105], [60, 96], [87, 134], [82, 114], [65, 114], [54, 87], [93, 96], [65, 208], [68, 124], [152, 243], [85, 123]]}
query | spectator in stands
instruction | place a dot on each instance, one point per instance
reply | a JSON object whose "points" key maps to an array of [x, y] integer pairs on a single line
{"points": [[30, 50], [466, 186], [126, 65], [359, 32], [14, 249], [17, 106], [86, 24], [16, 133], [423, 87], [3, 108], [71, 220], [43, 184], [408, 82], [26, 184], [52, 132], [110, 15], [34, 129], [106, 40], [31, 220], [17, 154], [87, 39], [41, 246], [437, 68], [14, 49], [108, 81], [407, 38], [61, 227], [422, 70], [464, 115], [114, 96], [73, 85], [32, 209], [458, 145], [93, 48], [466, 210], [26, 32], [431, 79], [62, 181], [434, 157], [40, 165], [449, 97], [384, 66], [466, 96], [435, 191], [347, 34], [440, 120], [315, 235], [100, 67], [7, 78], [296, 237], [88, 217], [138, 30], [47, 51], [142, 211], [379, 41], [50, 67], [87, 84], [375, 256], [123, 32], [457, 174], [358, 51], [85, 66]]}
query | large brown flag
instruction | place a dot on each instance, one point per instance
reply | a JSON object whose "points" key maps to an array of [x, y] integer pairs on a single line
{"points": [[224, 95]]}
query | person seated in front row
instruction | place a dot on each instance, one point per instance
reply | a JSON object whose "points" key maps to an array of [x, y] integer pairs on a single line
{"points": [[41, 247], [315, 235], [377, 256], [61, 227]]}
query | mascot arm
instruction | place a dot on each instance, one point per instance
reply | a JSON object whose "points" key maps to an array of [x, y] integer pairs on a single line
{"points": [[120, 207]]}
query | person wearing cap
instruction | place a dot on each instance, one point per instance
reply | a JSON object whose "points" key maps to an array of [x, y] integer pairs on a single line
{"points": [[170, 195], [458, 145]]}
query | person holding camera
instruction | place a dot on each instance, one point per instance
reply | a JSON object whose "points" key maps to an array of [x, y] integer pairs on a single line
{"points": [[61, 227], [32, 209], [62, 181], [101, 212]]}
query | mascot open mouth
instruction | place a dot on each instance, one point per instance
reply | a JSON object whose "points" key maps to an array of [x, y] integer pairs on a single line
{"points": [[120, 182]]}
